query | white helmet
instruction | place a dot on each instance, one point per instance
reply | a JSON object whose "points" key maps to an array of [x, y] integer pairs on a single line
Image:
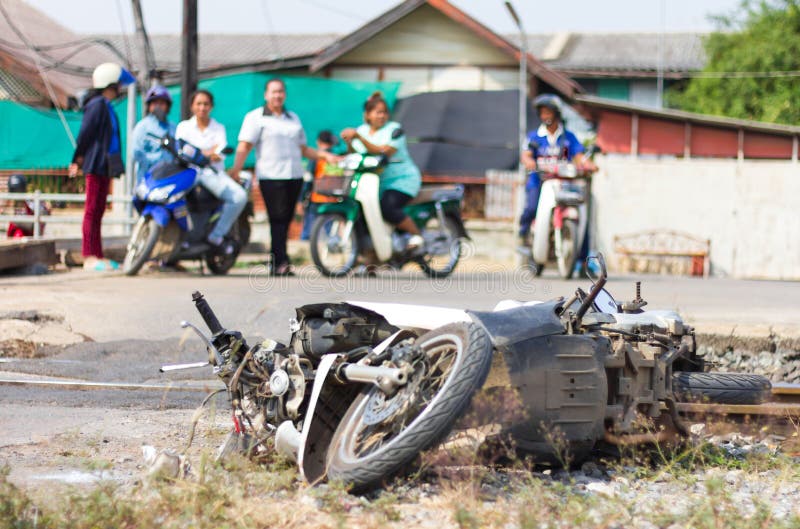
{"points": [[110, 73]]}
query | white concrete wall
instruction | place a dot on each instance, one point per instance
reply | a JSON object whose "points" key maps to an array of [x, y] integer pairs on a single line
{"points": [[749, 210]]}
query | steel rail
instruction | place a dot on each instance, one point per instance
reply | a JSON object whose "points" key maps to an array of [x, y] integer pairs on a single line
{"points": [[120, 386]]}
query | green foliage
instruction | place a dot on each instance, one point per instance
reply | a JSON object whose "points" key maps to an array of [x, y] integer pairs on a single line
{"points": [[762, 36]]}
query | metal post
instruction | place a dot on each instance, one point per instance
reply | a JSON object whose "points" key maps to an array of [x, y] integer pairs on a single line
{"points": [[660, 69], [130, 177], [37, 214], [188, 56], [523, 84]]}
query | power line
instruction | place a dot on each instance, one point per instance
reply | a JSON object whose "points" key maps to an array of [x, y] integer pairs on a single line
{"points": [[336, 10]]}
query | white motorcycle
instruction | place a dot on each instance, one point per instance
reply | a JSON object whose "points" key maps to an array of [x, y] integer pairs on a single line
{"points": [[561, 216]]}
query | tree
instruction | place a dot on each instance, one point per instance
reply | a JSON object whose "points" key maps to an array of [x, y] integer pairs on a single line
{"points": [[753, 68]]}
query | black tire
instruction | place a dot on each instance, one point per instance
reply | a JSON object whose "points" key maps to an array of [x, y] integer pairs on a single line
{"points": [[220, 264], [427, 426], [143, 240], [324, 243], [431, 265], [569, 244], [721, 388]]}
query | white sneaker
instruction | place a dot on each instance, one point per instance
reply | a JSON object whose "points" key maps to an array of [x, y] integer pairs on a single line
{"points": [[414, 242]]}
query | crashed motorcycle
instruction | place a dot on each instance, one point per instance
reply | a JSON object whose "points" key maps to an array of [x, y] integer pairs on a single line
{"points": [[362, 388], [351, 225]]}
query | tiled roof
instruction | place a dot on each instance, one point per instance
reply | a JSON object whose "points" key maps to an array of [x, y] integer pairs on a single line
{"points": [[41, 30]]}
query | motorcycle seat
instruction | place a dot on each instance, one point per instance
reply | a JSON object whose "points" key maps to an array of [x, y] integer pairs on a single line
{"points": [[438, 193]]}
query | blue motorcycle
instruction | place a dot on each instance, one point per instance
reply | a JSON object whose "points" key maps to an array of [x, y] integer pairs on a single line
{"points": [[177, 214]]}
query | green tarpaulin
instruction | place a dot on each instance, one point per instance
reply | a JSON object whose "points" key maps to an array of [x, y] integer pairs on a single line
{"points": [[35, 139]]}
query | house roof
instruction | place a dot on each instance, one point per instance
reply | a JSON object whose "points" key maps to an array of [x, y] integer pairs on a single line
{"points": [[598, 103], [560, 82], [67, 59]]}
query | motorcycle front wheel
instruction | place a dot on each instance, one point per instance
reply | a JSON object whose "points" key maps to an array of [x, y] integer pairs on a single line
{"points": [[334, 245], [143, 240], [566, 247], [380, 436], [443, 248]]}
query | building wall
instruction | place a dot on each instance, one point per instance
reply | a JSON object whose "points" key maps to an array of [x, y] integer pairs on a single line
{"points": [[747, 209]]}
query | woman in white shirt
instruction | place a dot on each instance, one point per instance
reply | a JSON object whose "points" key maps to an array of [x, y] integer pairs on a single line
{"points": [[208, 135]]}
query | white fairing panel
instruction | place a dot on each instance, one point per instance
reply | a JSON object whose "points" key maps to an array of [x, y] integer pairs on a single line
{"points": [[543, 224], [415, 316], [380, 231]]}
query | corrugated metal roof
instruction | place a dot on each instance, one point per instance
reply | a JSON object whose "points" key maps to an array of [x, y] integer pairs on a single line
{"points": [[623, 51], [216, 50], [583, 51]]}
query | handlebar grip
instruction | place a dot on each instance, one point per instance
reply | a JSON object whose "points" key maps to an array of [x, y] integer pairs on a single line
{"points": [[206, 313]]}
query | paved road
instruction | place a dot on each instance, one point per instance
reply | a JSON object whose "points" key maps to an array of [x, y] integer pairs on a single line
{"points": [[109, 308]]}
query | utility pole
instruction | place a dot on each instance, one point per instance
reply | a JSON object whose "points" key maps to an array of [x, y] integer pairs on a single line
{"points": [[148, 73], [188, 56], [523, 94]]}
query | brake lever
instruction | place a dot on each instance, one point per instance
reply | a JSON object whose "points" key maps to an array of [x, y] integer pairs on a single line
{"points": [[217, 355]]}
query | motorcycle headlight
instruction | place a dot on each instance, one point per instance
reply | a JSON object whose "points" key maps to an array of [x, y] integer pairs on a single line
{"points": [[160, 194], [351, 161]]}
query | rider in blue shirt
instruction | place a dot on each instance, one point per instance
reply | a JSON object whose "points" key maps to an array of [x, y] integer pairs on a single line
{"points": [[550, 140], [147, 149]]}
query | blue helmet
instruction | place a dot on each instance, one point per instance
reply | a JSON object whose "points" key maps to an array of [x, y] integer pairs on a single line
{"points": [[158, 92]]}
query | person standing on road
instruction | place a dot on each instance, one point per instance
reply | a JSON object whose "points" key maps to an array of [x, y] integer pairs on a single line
{"points": [[280, 142], [208, 135], [98, 152], [147, 149]]}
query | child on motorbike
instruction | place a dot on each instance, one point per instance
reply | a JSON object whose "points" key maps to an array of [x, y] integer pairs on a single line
{"points": [[551, 140], [401, 179]]}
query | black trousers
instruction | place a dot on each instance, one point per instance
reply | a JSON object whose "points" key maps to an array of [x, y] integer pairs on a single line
{"points": [[392, 204], [280, 197]]}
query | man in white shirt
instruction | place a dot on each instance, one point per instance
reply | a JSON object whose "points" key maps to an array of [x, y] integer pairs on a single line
{"points": [[208, 135], [280, 142]]}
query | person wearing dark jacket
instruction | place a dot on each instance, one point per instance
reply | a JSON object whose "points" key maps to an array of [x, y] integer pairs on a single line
{"points": [[98, 152]]}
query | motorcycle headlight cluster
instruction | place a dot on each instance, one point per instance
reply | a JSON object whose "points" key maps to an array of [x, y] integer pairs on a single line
{"points": [[141, 190], [160, 194]]}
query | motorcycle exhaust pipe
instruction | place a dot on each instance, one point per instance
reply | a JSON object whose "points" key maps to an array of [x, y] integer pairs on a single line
{"points": [[387, 379], [287, 440]]}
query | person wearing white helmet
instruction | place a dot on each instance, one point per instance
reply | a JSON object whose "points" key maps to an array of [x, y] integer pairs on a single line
{"points": [[98, 152], [147, 150]]}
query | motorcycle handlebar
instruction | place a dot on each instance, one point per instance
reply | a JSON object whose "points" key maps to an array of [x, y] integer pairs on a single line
{"points": [[207, 314]]}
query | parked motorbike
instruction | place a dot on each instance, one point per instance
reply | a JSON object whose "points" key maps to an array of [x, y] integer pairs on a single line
{"points": [[362, 388], [353, 225], [561, 215], [176, 214]]}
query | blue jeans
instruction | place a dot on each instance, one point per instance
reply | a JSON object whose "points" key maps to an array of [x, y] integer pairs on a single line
{"points": [[232, 194], [532, 189], [309, 216]]}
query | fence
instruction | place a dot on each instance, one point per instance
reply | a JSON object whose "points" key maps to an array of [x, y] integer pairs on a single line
{"points": [[505, 195], [38, 197]]}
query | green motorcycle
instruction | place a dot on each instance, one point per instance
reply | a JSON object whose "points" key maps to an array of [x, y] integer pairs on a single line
{"points": [[351, 226]]}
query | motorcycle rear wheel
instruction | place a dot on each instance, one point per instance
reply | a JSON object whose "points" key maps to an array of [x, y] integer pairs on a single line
{"points": [[721, 388], [566, 249], [143, 240], [220, 264], [365, 452], [441, 265], [333, 256]]}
